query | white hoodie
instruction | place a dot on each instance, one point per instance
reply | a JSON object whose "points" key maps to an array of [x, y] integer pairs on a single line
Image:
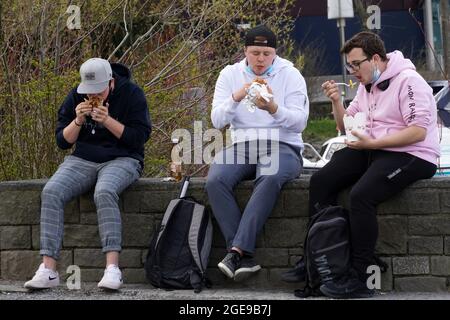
{"points": [[289, 90]]}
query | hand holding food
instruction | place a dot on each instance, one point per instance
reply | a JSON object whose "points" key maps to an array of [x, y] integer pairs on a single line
{"points": [[95, 102], [258, 88], [82, 110]]}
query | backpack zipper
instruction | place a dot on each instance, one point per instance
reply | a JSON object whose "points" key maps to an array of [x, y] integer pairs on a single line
{"points": [[337, 245], [324, 223]]}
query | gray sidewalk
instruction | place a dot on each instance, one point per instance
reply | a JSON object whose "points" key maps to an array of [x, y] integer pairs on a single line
{"points": [[10, 290]]}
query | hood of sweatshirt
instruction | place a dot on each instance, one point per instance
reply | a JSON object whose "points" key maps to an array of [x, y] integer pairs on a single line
{"points": [[397, 63], [121, 73]]}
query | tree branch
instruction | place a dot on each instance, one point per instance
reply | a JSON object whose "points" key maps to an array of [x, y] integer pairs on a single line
{"points": [[126, 30]]}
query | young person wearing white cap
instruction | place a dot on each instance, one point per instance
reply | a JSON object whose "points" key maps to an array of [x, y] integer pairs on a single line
{"points": [[109, 143]]}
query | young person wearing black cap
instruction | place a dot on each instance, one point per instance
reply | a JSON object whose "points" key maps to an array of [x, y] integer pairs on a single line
{"points": [[109, 143], [270, 134]]}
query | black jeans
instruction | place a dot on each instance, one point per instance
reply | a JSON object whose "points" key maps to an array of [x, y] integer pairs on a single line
{"points": [[376, 175]]}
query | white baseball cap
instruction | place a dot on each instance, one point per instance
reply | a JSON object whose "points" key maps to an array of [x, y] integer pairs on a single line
{"points": [[95, 75]]}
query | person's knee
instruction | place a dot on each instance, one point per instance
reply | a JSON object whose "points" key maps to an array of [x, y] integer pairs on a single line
{"points": [[359, 197], [317, 181], [213, 182], [105, 194], [52, 192], [272, 180]]}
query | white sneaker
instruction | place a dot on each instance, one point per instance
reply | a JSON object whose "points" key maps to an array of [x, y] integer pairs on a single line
{"points": [[112, 279], [44, 278]]}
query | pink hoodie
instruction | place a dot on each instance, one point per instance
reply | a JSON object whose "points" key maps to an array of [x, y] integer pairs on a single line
{"points": [[408, 101]]}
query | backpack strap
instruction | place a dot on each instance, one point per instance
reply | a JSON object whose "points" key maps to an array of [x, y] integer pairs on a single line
{"points": [[194, 232], [206, 249], [196, 281], [169, 211]]}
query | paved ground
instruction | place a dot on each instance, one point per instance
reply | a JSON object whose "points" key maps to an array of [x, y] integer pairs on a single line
{"points": [[14, 291]]}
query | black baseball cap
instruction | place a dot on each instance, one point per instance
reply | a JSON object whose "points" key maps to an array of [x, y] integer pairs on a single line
{"points": [[261, 36]]}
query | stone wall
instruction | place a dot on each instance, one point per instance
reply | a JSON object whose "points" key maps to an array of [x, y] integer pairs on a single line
{"points": [[414, 233]]}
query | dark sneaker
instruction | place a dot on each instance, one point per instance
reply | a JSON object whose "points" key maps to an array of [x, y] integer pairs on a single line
{"points": [[247, 268], [296, 274], [348, 286], [230, 264]]}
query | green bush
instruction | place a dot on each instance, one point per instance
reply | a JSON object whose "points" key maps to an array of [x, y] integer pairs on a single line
{"points": [[174, 48], [320, 130]]}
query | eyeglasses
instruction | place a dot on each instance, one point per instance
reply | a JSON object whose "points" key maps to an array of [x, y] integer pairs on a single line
{"points": [[355, 66]]}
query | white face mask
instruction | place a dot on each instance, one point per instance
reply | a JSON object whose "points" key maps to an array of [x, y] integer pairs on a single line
{"points": [[376, 73], [268, 70]]}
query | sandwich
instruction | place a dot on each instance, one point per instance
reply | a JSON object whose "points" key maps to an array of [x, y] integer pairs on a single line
{"points": [[95, 102], [260, 81], [257, 87]]}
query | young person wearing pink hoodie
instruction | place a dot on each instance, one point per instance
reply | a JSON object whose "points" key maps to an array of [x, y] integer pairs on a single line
{"points": [[400, 146]]}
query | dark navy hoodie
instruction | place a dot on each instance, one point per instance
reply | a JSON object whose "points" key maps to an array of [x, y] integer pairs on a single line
{"points": [[127, 104]]}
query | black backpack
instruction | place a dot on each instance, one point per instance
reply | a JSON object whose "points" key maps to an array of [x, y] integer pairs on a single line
{"points": [[326, 248], [179, 250], [327, 251]]}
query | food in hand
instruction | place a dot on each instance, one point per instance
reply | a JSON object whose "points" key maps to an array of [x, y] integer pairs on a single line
{"points": [[352, 84], [260, 81], [95, 102], [257, 87], [356, 123]]}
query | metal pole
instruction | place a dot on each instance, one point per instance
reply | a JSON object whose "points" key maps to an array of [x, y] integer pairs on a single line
{"points": [[341, 26], [445, 35], [428, 17]]}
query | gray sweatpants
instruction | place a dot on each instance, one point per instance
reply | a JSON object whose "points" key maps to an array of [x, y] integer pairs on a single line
{"points": [[233, 165], [74, 177]]}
